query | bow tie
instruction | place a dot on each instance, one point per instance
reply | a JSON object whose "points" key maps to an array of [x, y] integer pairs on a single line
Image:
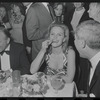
{"points": [[7, 52]]}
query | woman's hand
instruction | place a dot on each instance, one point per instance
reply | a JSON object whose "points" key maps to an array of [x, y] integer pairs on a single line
{"points": [[45, 45]]}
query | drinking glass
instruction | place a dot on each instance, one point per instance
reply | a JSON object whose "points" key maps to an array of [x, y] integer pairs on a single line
{"points": [[16, 76], [57, 84]]}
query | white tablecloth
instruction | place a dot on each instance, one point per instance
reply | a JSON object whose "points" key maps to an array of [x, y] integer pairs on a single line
{"points": [[69, 90]]}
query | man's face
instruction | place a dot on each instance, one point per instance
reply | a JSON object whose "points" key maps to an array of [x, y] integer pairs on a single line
{"points": [[79, 46], [2, 12], [76, 42], [93, 10], [3, 41], [77, 4]]}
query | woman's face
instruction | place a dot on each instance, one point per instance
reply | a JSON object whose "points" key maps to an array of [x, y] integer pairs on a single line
{"points": [[57, 36], [77, 4], [2, 12], [58, 10], [16, 9], [93, 10]]}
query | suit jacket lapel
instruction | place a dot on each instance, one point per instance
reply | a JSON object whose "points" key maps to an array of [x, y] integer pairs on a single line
{"points": [[51, 11], [29, 7], [95, 76], [47, 12]]}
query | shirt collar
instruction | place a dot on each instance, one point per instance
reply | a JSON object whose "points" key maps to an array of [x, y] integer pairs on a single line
{"points": [[94, 60], [28, 7], [45, 4], [8, 48]]}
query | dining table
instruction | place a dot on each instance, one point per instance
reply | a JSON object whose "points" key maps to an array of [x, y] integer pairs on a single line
{"points": [[36, 85]]}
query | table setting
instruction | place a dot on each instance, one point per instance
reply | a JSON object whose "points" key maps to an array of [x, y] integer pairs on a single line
{"points": [[37, 85]]}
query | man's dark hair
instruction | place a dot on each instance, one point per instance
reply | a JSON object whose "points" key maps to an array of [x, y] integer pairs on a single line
{"points": [[5, 18], [5, 31]]}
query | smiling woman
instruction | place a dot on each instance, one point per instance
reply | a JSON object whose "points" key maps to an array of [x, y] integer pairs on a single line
{"points": [[59, 57]]}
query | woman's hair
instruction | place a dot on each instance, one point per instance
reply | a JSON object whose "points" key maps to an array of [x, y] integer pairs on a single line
{"points": [[5, 19], [55, 5], [21, 7], [66, 33]]}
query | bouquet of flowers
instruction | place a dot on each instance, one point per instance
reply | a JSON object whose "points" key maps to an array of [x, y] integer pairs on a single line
{"points": [[35, 85]]}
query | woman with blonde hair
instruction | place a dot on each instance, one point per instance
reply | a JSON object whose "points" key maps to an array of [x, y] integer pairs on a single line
{"points": [[59, 57]]}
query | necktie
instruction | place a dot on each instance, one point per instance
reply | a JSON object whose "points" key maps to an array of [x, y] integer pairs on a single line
{"points": [[51, 11], [89, 67]]}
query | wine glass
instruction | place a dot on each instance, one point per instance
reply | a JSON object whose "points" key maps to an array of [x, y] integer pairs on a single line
{"points": [[57, 83]]}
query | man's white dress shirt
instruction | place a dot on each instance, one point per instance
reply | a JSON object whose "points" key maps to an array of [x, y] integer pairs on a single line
{"points": [[94, 61], [5, 60], [28, 7], [46, 5]]}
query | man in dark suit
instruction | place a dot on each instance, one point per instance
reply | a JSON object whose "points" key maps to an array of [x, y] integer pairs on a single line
{"points": [[27, 43], [87, 42], [78, 14], [12, 55], [38, 19]]}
